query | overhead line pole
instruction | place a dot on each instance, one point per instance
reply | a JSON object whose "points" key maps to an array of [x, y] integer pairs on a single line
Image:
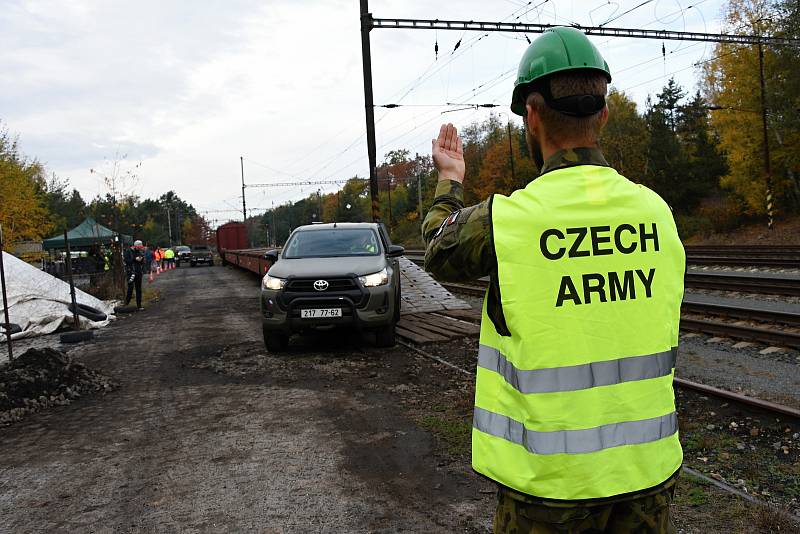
{"points": [[244, 203], [367, 24]]}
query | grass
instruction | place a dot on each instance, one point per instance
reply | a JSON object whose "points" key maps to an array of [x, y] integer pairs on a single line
{"points": [[705, 508], [454, 433], [150, 295]]}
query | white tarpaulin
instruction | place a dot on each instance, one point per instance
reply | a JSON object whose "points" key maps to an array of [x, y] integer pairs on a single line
{"points": [[38, 301]]}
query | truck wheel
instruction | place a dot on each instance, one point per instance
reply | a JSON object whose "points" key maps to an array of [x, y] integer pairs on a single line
{"points": [[384, 336], [275, 341]]}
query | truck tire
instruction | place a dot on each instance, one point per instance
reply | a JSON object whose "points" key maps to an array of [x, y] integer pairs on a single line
{"points": [[384, 336], [93, 314], [275, 341], [76, 336]]}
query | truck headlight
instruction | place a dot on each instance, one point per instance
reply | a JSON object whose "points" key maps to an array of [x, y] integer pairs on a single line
{"points": [[375, 279], [273, 282]]}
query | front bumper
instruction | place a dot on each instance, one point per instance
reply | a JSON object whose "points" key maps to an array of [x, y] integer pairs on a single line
{"points": [[374, 307]]}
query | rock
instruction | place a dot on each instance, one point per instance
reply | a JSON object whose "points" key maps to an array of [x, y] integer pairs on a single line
{"points": [[776, 445], [710, 427], [772, 350], [754, 432]]}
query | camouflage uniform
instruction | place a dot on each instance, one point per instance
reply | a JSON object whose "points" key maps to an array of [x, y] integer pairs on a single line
{"points": [[646, 512], [460, 247]]}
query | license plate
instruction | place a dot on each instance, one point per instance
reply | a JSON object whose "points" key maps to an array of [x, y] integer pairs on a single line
{"points": [[320, 313]]}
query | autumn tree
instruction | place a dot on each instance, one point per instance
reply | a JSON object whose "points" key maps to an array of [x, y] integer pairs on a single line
{"points": [[732, 84], [22, 211]]}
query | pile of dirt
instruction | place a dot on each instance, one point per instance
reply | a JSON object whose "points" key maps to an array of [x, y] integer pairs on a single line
{"points": [[42, 378]]}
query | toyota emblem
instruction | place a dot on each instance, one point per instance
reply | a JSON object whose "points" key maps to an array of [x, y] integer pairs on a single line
{"points": [[321, 285]]}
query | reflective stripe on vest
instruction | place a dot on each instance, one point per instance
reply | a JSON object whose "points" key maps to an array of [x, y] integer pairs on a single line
{"points": [[575, 441], [577, 403], [577, 377]]}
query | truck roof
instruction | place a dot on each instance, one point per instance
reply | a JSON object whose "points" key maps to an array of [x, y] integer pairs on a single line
{"points": [[343, 225]]}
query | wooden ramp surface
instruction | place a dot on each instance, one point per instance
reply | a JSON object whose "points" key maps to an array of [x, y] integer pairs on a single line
{"points": [[422, 294], [437, 327]]}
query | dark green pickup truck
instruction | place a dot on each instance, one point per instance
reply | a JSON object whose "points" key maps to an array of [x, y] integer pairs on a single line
{"points": [[201, 254]]}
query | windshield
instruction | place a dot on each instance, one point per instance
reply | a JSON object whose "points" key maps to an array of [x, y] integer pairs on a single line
{"points": [[201, 248], [182, 249], [332, 243]]}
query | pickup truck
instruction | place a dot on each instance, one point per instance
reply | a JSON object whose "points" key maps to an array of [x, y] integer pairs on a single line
{"points": [[201, 254], [340, 275]]}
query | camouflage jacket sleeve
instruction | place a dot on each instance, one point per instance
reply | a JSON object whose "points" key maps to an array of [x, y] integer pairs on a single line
{"points": [[458, 239]]}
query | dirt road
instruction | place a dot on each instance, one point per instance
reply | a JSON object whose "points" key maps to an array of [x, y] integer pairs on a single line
{"points": [[208, 433]]}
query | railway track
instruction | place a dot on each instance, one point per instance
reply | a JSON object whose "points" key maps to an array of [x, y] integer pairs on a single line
{"points": [[770, 336], [740, 256], [760, 283]]}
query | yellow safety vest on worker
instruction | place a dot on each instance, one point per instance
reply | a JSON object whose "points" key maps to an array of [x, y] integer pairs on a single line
{"points": [[577, 403], [169, 254]]}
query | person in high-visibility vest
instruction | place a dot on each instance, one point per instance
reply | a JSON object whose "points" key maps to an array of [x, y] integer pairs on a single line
{"points": [[574, 414], [169, 255]]}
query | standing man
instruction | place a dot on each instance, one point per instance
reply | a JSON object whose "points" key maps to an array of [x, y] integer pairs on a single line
{"points": [[574, 409], [169, 255], [134, 260]]}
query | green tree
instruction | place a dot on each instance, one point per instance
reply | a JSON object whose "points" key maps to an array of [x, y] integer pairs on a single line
{"points": [[625, 139]]}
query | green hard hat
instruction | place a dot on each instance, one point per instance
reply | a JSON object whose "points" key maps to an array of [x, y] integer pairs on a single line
{"points": [[558, 49]]}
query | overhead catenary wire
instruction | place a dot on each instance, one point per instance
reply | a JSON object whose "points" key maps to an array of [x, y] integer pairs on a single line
{"points": [[612, 19]]}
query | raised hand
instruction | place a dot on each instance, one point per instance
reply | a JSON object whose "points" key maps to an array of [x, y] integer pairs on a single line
{"points": [[448, 155]]}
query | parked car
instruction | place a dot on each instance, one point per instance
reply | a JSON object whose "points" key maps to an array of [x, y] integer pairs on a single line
{"points": [[182, 254], [329, 276], [201, 254]]}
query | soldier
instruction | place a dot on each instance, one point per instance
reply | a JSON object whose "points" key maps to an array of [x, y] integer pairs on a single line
{"points": [[574, 409]]}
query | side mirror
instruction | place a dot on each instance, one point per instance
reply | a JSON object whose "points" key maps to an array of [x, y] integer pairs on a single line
{"points": [[271, 255], [395, 251]]}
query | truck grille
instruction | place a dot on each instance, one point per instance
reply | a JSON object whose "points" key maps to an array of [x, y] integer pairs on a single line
{"points": [[334, 284]]}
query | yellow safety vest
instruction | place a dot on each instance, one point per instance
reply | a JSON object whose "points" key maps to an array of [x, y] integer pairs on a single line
{"points": [[577, 403]]}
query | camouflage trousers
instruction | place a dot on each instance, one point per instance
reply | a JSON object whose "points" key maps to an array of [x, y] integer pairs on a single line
{"points": [[648, 514]]}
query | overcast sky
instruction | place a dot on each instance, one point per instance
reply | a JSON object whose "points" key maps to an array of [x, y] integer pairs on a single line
{"points": [[186, 87]]}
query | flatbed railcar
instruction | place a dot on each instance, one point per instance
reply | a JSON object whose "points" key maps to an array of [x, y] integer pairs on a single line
{"points": [[250, 259]]}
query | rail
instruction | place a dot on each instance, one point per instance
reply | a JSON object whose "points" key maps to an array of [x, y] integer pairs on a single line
{"points": [[716, 328], [786, 256]]}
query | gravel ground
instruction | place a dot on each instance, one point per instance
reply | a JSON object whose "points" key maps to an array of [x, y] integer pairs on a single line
{"points": [[774, 376], [209, 433], [326, 438]]}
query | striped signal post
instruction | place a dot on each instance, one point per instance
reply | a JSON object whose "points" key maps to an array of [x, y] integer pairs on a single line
{"points": [[766, 137]]}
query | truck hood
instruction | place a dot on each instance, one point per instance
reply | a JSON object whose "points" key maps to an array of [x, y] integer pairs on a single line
{"points": [[327, 267]]}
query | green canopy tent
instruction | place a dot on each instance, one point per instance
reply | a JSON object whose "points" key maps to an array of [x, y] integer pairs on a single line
{"points": [[86, 234]]}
